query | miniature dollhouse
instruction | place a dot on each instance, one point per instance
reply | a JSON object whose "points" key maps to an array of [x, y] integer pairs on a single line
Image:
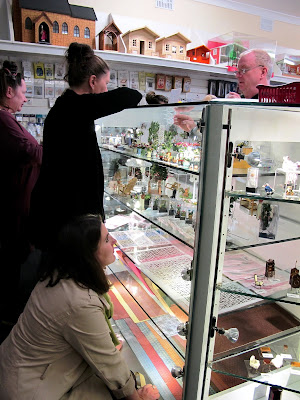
{"points": [[141, 41], [56, 22], [289, 65], [227, 54], [199, 54], [173, 46], [109, 37]]}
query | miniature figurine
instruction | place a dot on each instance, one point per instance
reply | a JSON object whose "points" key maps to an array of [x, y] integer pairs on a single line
{"points": [[277, 361], [270, 268], [289, 191], [257, 282], [268, 189], [295, 278], [254, 363]]}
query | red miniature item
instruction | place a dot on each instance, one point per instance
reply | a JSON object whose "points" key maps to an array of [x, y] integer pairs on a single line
{"points": [[148, 392]]}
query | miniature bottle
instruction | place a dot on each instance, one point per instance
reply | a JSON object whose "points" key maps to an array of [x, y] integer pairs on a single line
{"points": [[275, 393]]}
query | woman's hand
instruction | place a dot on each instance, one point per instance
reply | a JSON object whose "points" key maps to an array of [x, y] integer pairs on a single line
{"points": [[149, 392], [185, 122]]}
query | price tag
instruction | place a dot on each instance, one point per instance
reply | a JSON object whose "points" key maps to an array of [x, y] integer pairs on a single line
{"points": [[267, 355]]}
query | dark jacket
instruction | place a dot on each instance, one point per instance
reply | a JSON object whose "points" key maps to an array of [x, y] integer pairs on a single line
{"points": [[71, 181]]}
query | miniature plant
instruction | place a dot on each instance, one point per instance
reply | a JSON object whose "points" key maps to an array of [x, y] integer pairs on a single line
{"points": [[159, 172], [153, 134]]}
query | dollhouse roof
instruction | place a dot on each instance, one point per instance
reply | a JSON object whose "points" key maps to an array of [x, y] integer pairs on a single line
{"points": [[180, 35], [145, 28], [200, 47], [59, 7], [108, 27]]}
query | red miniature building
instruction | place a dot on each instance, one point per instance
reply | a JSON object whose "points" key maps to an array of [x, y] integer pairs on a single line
{"points": [[56, 22], [109, 37], [199, 54]]}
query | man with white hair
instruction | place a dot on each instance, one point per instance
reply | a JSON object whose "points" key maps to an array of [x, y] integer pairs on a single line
{"points": [[254, 68]]}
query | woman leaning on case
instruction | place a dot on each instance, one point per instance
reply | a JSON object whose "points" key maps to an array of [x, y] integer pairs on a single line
{"points": [[20, 162], [61, 347], [71, 181]]}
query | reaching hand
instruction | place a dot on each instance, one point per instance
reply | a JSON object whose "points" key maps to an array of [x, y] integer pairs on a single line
{"points": [[185, 122], [232, 95]]}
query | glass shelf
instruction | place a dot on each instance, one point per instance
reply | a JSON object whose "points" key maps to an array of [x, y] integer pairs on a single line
{"points": [[193, 169], [171, 225], [152, 253], [286, 374], [147, 302], [243, 229], [259, 196]]}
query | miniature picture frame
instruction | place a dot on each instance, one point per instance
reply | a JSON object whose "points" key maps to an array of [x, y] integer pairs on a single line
{"points": [[177, 82], [160, 82], [49, 71], [186, 86], [168, 83], [39, 70]]}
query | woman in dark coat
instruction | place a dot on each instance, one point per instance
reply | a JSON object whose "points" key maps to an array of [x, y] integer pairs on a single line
{"points": [[71, 181]]}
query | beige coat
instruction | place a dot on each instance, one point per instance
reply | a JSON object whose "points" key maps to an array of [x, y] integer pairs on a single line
{"points": [[61, 348]]}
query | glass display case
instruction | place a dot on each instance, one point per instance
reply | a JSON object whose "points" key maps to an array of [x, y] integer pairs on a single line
{"points": [[206, 284]]}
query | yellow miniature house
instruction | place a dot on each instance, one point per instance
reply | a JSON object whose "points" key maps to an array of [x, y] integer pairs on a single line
{"points": [[173, 46], [141, 41]]}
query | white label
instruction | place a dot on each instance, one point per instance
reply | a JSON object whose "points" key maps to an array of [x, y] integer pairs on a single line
{"points": [[286, 355], [267, 355], [296, 296]]}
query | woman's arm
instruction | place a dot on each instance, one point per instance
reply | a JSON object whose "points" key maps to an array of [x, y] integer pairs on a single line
{"points": [[87, 332], [102, 104]]}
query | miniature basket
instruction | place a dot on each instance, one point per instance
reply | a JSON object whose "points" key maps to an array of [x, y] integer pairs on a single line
{"points": [[289, 93]]}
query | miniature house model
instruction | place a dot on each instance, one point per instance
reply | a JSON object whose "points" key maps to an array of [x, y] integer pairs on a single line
{"points": [[289, 65], [141, 41], [109, 37], [173, 46], [53, 22], [199, 54]]}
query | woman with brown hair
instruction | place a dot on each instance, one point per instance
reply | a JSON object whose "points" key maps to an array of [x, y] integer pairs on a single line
{"points": [[61, 347], [71, 181], [20, 162]]}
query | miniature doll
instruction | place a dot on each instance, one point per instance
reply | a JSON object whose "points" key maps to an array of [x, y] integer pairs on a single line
{"points": [[270, 269]]}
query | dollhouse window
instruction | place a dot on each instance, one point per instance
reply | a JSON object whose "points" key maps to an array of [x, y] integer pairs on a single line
{"points": [[167, 47], [76, 31], [28, 23], [64, 29], [181, 49], [55, 27], [87, 33], [150, 45], [174, 49], [134, 42]]}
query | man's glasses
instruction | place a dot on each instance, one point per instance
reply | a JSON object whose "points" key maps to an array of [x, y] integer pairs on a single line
{"points": [[243, 71]]}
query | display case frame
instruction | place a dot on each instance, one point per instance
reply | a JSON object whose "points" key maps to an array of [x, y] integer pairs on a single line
{"points": [[221, 124]]}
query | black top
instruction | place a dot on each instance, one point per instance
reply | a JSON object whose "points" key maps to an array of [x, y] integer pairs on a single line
{"points": [[71, 181], [59, 7]]}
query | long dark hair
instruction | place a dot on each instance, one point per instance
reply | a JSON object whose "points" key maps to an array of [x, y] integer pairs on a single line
{"points": [[82, 63], [9, 77], [73, 256]]}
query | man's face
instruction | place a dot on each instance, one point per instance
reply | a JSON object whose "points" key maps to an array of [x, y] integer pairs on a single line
{"points": [[251, 78]]}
